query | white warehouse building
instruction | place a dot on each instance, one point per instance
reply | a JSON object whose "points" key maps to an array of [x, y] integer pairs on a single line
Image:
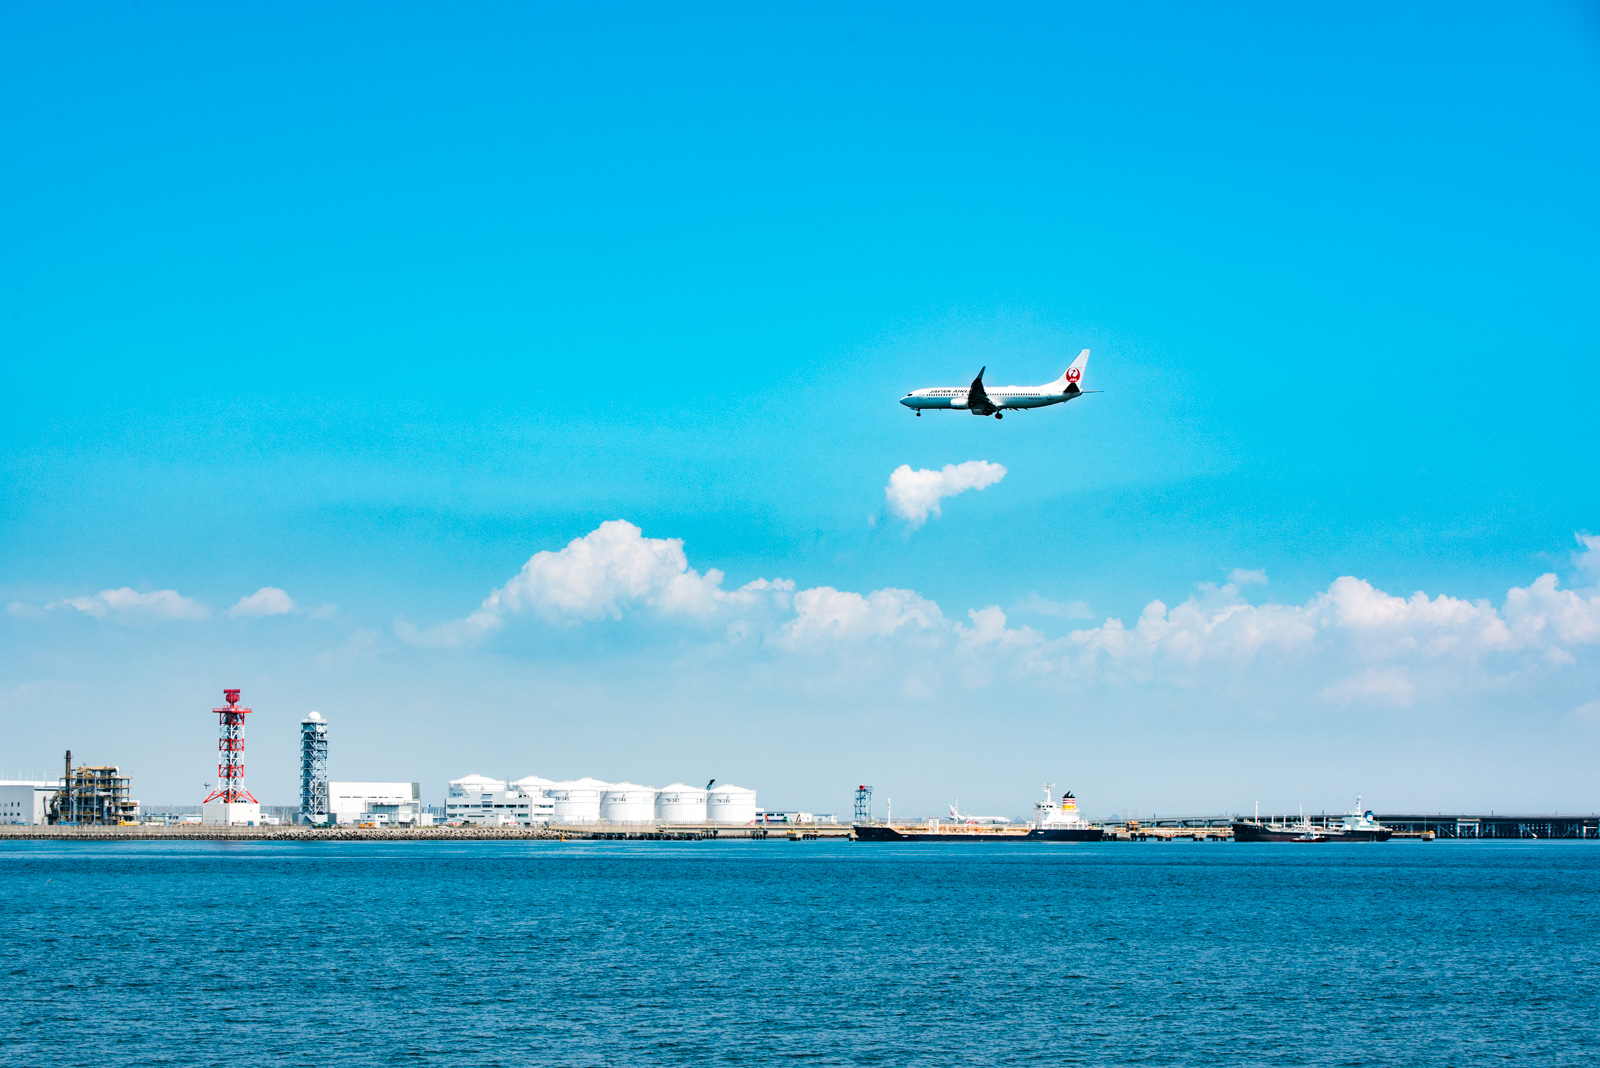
{"points": [[26, 801], [478, 799], [390, 803]]}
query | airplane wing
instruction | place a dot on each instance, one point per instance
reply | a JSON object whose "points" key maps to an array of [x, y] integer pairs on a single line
{"points": [[977, 400]]}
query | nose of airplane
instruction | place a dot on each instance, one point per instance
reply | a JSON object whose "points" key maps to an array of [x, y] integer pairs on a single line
{"points": [[906, 400]]}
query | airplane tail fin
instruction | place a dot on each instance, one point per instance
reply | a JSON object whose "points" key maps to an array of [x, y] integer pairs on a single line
{"points": [[1071, 380]]}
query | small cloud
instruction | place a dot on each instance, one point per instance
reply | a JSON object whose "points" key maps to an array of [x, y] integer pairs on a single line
{"points": [[22, 610], [267, 601], [1043, 606], [360, 643], [324, 611], [1388, 685], [915, 495], [1241, 577], [125, 604], [1588, 712], [1588, 561]]}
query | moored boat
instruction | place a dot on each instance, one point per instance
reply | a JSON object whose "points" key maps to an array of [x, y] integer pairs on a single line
{"points": [[1357, 825], [1052, 822]]}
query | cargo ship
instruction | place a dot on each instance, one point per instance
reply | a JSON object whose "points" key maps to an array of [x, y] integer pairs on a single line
{"points": [[1052, 822], [1357, 825]]}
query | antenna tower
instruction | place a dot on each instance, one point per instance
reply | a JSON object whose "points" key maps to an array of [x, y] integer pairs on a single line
{"points": [[230, 745]]}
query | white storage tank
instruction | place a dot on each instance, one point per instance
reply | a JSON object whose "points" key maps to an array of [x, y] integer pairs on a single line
{"points": [[731, 804], [577, 800], [532, 785], [628, 802], [681, 804], [475, 784]]}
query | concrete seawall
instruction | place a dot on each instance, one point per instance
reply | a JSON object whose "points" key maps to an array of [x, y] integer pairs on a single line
{"points": [[190, 832]]}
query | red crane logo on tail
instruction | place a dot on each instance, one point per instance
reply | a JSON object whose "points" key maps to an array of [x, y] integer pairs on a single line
{"points": [[1073, 374]]}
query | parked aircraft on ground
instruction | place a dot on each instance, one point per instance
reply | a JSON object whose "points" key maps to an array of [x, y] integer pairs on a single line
{"points": [[980, 821], [980, 401]]}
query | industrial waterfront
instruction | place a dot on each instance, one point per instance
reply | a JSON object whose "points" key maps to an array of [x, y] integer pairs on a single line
{"points": [[91, 802]]}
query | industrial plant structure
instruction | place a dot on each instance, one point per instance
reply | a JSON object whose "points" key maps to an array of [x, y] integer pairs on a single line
{"points": [[537, 802], [97, 796]]}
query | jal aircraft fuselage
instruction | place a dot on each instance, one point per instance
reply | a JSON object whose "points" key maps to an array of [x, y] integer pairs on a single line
{"points": [[993, 400]]}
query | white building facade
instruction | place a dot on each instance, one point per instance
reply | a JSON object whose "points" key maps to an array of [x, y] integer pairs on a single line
{"points": [[26, 801], [393, 804], [478, 800]]}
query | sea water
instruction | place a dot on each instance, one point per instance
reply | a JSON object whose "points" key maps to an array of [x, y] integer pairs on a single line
{"points": [[754, 953]]}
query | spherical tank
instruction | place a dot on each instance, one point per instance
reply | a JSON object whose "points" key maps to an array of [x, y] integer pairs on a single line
{"points": [[681, 804], [731, 804], [577, 800], [627, 802]]}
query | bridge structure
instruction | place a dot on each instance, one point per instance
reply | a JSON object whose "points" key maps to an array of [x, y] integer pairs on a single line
{"points": [[1495, 825], [1442, 825]]}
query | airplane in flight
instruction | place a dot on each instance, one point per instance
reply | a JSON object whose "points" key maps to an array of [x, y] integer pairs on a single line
{"points": [[998, 399]]}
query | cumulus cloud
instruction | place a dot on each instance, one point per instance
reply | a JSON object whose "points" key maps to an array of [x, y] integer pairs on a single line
{"points": [[915, 495], [267, 601], [128, 605], [827, 614], [1348, 643], [611, 571], [1240, 577]]}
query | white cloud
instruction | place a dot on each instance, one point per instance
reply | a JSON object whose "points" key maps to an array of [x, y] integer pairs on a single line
{"points": [[267, 601], [609, 572], [1385, 685], [1240, 577], [1043, 606], [1588, 561], [1349, 643], [826, 614], [915, 495], [126, 605], [1589, 712]]}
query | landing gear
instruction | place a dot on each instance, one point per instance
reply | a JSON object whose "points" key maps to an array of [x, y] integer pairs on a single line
{"points": [[919, 413], [997, 415]]}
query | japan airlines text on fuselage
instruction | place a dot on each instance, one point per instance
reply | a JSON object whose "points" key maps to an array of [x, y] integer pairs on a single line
{"points": [[981, 401]]}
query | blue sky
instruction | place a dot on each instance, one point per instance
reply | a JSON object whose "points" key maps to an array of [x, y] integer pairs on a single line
{"points": [[372, 305]]}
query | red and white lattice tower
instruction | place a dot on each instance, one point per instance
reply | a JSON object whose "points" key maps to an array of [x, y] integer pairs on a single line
{"points": [[230, 746]]}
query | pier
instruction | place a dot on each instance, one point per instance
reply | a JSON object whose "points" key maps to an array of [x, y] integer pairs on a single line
{"points": [[1161, 830]]}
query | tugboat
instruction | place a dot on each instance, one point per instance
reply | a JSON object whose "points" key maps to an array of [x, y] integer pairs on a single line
{"points": [[1051, 823], [1357, 825]]}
